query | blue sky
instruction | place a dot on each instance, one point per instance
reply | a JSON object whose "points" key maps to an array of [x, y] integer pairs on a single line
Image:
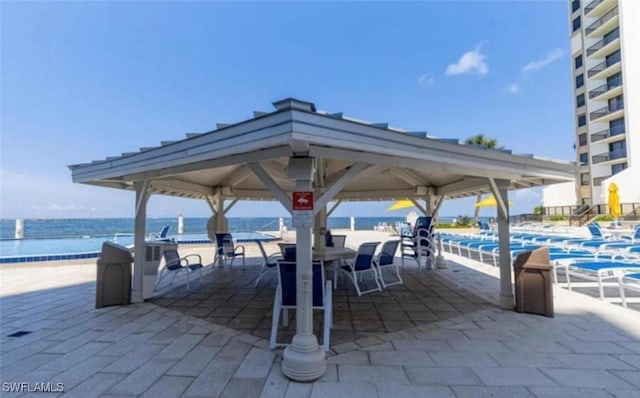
{"points": [[82, 81]]}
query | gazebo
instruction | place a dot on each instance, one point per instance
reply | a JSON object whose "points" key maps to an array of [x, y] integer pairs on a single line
{"points": [[296, 150]]}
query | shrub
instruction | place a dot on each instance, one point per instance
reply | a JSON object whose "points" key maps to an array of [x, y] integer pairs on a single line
{"points": [[463, 221], [444, 225], [605, 217], [557, 218]]}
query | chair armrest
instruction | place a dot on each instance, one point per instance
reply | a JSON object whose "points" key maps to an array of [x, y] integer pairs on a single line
{"points": [[186, 258], [274, 257], [236, 249]]}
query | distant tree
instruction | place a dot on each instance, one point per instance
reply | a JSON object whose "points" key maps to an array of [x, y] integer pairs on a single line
{"points": [[491, 143], [538, 210], [481, 139]]}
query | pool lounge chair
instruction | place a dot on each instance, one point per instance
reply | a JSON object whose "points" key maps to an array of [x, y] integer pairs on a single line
{"points": [[286, 296], [160, 236], [629, 281], [600, 271]]}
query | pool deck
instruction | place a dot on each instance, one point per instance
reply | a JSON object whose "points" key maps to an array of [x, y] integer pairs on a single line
{"points": [[590, 349]]}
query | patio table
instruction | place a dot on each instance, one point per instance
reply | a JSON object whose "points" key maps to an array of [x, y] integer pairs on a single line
{"points": [[331, 256]]}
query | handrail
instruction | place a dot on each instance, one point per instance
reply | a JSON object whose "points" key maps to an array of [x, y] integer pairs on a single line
{"points": [[603, 42], [589, 7], [602, 66], [613, 107], [603, 134], [608, 86], [602, 20]]}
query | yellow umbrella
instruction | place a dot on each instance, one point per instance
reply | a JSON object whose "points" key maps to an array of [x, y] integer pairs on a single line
{"points": [[489, 202], [401, 204], [614, 200]]}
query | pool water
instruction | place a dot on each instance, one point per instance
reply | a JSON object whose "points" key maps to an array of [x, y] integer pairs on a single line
{"points": [[27, 250]]}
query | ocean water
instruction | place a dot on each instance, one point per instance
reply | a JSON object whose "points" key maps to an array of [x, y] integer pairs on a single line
{"points": [[47, 236]]}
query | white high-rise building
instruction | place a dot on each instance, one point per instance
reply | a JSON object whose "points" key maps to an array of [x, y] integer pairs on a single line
{"points": [[605, 50]]}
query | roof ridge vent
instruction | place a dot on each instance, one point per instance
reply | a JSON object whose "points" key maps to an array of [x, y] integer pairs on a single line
{"points": [[292, 103], [222, 125], [381, 125], [259, 113]]}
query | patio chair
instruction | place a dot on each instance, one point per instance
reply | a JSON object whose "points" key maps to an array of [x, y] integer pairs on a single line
{"points": [[226, 249], [288, 251], [386, 260], [418, 247], [362, 264], [268, 262], [174, 264], [162, 235], [339, 240], [286, 296]]}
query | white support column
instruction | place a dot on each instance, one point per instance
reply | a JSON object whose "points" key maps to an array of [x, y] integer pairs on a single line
{"points": [[304, 359], [142, 197], [500, 191], [320, 217]]}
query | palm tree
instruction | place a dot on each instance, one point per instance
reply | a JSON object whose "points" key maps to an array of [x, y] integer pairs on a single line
{"points": [[491, 143]]}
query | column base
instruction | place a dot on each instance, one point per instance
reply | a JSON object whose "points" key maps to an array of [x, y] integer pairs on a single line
{"points": [[441, 263], [507, 302], [303, 365]]}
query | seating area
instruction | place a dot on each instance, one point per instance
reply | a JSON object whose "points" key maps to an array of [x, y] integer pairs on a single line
{"points": [[606, 258]]}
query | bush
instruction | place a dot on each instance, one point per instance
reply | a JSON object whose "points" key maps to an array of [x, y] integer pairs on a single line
{"points": [[444, 225], [557, 218], [605, 217], [463, 221]]}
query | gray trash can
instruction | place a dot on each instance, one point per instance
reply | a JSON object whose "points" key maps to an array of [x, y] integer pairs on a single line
{"points": [[113, 278], [534, 290]]}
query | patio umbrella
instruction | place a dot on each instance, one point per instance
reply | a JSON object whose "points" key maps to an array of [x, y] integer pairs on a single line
{"points": [[488, 202], [401, 204], [614, 200]]}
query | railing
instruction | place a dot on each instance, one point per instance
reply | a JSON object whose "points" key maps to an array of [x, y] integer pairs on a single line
{"points": [[591, 6], [603, 134], [602, 66], [605, 157], [602, 20], [601, 43], [610, 85], [613, 107], [583, 215]]}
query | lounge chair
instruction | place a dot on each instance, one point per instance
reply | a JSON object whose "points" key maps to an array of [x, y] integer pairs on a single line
{"points": [[226, 249], [286, 296], [174, 264], [600, 271], [362, 264], [160, 236], [386, 260], [629, 281], [268, 262]]}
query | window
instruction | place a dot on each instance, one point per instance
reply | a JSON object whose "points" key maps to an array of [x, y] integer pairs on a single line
{"points": [[611, 36], [578, 61], [576, 23], [612, 58], [579, 103], [579, 80], [616, 168], [582, 119], [616, 103], [575, 5], [584, 178], [614, 80], [618, 147], [584, 159], [616, 127], [582, 139]]}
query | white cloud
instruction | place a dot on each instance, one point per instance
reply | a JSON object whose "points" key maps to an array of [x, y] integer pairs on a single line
{"points": [[471, 62], [541, 63], [512, 88], [426, 80], [528, 194]]}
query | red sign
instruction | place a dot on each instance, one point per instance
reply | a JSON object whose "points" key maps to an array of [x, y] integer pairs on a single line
{"points": [[303, 201]]}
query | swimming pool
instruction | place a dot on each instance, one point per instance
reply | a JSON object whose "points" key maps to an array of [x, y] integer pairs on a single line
{"points": [[33, 250]]}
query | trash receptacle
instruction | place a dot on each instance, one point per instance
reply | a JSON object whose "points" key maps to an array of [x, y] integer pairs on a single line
{"points": [[534, 291], [113, 278]]}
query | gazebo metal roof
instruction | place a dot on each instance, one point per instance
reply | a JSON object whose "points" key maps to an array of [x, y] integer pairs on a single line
{"points": [[396, 164]]}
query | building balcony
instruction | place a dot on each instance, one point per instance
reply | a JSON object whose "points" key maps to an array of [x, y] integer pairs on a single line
{"points": [[609, 112], [598, 7], [604, 46], [605, 23], [604, 69], [608, 156], [607, 90], [605, 134]]}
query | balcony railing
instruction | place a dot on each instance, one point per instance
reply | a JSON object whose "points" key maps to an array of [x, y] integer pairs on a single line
{"points": [[598, 181], [605, 157], [591, 6], [604, 134], [605, 87], [613, 107], [602, 66], [602, 20], [601, 43]]}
